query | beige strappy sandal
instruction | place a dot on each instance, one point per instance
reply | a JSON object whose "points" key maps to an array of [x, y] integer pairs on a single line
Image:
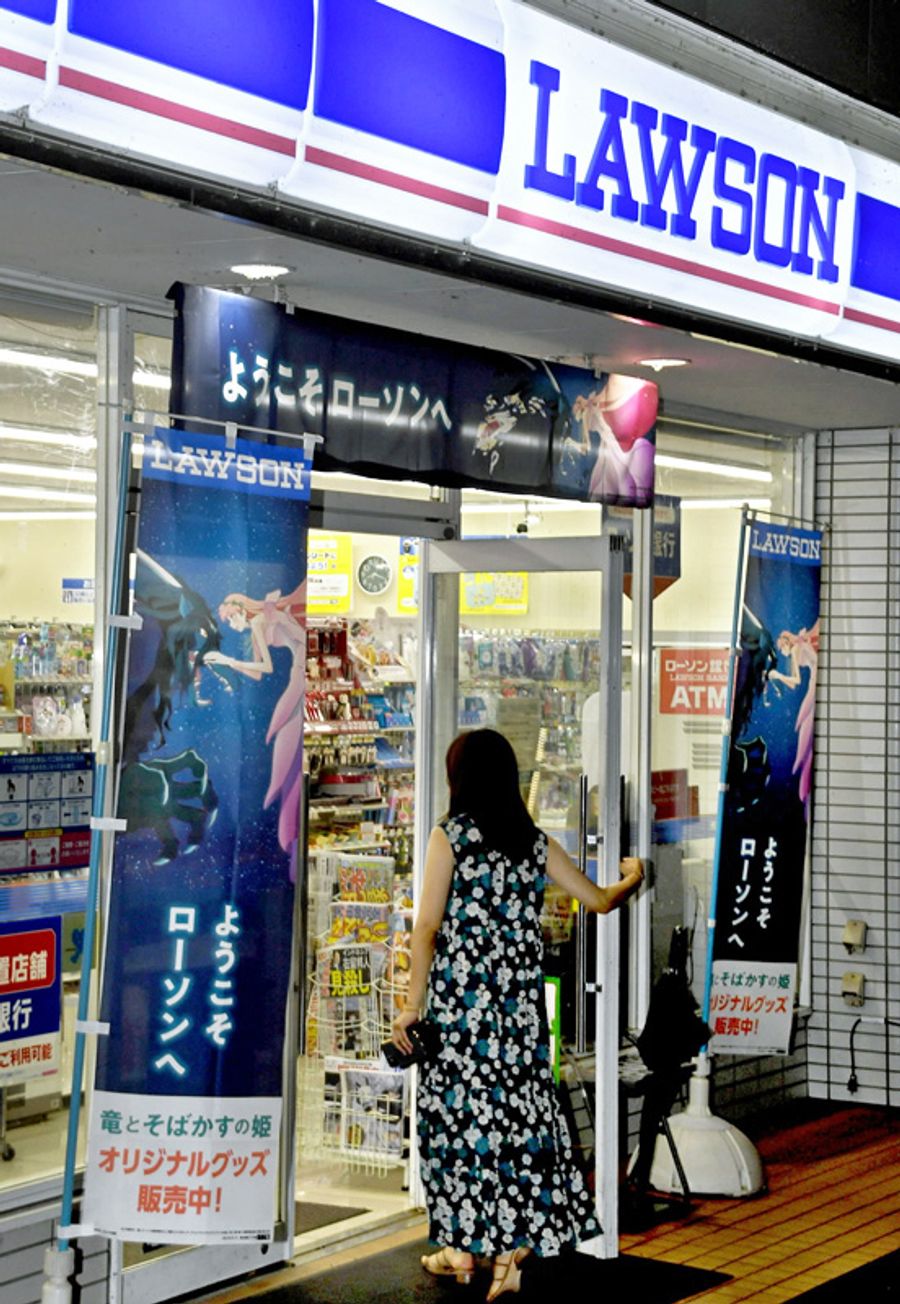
{"points": [[507, 1279], [439, 1264]]}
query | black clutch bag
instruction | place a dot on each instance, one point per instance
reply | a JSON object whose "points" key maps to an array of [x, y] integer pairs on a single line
{"points": [[426, 1040]]}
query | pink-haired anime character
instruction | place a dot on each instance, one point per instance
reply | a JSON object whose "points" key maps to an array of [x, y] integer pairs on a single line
{"points": [[622, 414], [276, 621], [802, 649]]}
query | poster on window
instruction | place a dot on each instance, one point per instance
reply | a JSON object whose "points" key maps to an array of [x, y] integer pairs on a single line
{"points": [[692, 680], [186, 1110], [769, 790], [45, 812], [30, 999]]}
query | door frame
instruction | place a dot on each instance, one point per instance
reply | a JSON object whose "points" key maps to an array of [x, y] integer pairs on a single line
{"points": [[605, 554]]}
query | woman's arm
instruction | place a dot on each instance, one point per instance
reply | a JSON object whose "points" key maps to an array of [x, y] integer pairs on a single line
{"points": [[564, 872], [792, 680], [432, 904], [252, 669]]}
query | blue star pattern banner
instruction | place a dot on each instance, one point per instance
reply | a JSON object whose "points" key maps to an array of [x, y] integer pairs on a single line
{"points": [[187, 1102], [769, 789]]}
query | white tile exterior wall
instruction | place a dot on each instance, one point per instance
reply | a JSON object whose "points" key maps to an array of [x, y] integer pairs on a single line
{"points": [[856, 819]]}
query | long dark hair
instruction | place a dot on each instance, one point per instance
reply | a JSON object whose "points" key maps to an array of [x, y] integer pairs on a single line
{"points": [[483, 775]]}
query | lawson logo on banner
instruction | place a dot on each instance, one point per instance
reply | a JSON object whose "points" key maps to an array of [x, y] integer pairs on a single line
{"points": [[498, 125], [186, 1111], [769, 788]]}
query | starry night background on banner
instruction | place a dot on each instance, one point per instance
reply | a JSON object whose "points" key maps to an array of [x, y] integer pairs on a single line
{"points": [[223, 542], [762, 799]]}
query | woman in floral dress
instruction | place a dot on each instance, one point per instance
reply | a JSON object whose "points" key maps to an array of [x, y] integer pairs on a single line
{"points": [[496, 1156]]}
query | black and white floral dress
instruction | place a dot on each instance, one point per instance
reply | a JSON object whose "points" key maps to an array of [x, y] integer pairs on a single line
{"points": [[496, 1156]]}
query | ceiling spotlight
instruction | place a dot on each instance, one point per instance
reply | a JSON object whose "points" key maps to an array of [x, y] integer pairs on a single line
{"points": [[660, 364], [260, 271]]}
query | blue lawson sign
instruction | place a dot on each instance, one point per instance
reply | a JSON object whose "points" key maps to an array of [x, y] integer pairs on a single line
{"points": [[201, 903], [499, 126]]}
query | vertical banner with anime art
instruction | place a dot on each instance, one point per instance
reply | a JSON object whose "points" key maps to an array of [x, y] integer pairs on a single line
{"points": [[766, 805], [186, 1110]]}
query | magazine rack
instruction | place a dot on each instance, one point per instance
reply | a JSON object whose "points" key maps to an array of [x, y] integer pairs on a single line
{"points": [[352, 1105]]}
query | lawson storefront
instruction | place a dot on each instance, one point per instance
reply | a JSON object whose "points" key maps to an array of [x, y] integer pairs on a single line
{"points": [[494, 178]]}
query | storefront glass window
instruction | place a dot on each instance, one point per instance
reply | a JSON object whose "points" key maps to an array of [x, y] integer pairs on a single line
{"points": [[48, 382], [703, 478]]}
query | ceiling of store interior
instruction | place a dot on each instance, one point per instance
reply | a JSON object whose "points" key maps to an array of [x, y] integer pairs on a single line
{"points": [[114, 243]]}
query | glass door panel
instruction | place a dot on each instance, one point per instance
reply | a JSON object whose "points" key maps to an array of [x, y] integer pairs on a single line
{"points": [[526, 644]]}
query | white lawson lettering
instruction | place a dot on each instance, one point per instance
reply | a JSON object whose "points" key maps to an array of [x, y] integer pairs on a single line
{"points": [[215, 464], [786, 545]]}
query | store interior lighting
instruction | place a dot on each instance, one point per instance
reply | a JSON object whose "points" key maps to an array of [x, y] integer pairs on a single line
{"points": [[713, 504], [726, 469], [152, 380], [48, 438], [484, 504], [43, 494], [58, 363], [64, 365], [35, 469], [48, 516]]}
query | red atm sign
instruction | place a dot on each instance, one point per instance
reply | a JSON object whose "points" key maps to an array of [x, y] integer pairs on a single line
{"points": [[693, 680]]}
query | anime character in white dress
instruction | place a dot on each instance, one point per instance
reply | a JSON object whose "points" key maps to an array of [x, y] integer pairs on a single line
{"points": [[276, 621]]}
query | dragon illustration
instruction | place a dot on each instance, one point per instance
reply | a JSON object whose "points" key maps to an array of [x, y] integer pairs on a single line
{"points": [[171, 795]]}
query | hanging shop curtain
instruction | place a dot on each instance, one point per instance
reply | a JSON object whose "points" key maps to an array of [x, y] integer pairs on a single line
{"points": [[401, 406]]}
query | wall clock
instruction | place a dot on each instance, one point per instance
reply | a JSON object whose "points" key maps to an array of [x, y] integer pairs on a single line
{"points": [[374, 574]]}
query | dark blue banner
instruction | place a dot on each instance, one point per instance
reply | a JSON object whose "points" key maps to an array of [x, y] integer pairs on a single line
{"points": [[766, 808], [400, 406], [201, 910]]}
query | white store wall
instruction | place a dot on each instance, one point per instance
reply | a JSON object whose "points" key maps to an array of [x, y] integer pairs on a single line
{"points": [[35, 557], [856, 820]]}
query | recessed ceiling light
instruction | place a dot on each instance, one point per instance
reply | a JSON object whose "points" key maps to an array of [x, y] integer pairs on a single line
{"points": [[660, 364], [260, 271]]}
